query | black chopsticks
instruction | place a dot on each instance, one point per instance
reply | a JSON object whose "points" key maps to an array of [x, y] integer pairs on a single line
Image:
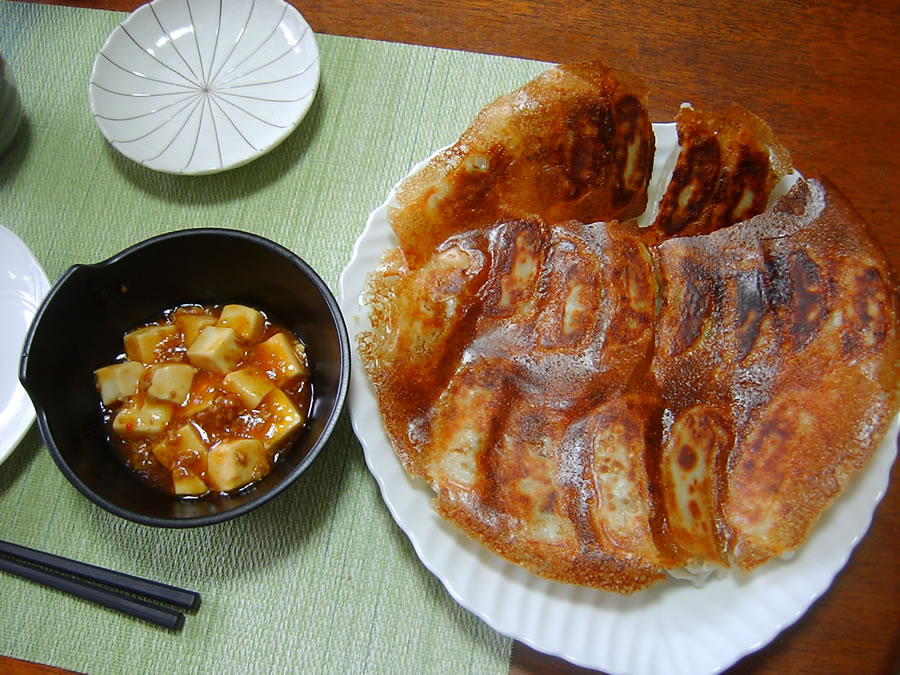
{"points": [[97, 584]]}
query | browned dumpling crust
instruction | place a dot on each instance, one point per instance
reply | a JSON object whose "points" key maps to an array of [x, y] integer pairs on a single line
{"points": [[574, 143], [603, 403], [601, 412], [501, 367], [726, 169], [782, 333]]}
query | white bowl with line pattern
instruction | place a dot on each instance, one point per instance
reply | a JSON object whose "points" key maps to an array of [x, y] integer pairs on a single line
{"points": [[201, 86]]}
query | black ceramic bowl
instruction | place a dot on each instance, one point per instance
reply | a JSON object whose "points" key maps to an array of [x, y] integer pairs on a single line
{"points": [[80, 325]]}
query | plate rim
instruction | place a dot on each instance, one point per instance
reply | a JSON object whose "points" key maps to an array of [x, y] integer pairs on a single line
{"points": [[24, 415]]}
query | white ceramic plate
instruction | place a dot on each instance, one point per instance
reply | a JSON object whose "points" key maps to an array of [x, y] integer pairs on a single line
{"points": [[23, 285], [200, 86], [673, 628]]}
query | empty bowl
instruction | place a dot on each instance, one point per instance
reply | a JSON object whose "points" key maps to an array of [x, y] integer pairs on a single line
{"points": [[203, 86], [79, 328]]}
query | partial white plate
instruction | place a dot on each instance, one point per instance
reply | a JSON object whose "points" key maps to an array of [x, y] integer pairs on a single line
{"points": [[23, 285], [673, 628], [201, 86]]}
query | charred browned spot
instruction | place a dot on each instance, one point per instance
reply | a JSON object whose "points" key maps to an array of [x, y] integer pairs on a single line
{"points": [[533, 425], [687, 458], [435, 379], [638, 274], [778, 427], [750, 307], [795, 292], [766, 462], [868, 326], [474, 188], [633, 163], [851, 344], [695, 305], [693, 181], [750, 174], [636, 294], [694, 508], [549, 505], [809, 309], [777, 279], [584, 160], [628, 113], [599, 152]]}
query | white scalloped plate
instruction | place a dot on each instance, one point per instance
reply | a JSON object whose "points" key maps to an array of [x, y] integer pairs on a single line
{"points": [[23, 285], [673, 628], [201, 86]]}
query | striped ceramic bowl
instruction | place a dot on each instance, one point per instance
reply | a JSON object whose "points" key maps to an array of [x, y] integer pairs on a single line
{"points": [[10, 105]]}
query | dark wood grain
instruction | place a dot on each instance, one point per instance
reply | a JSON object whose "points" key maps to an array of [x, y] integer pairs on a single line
{"points": [[825, 76], [8, 665]]}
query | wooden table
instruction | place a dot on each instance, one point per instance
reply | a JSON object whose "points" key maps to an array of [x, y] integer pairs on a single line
{"points": [[824, 75]]}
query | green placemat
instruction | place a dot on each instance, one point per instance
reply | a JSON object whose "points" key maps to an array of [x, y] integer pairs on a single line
{"points": [[320, 579]]}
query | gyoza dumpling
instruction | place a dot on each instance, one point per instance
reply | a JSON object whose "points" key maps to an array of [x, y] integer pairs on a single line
{"points": [[575, 143]]}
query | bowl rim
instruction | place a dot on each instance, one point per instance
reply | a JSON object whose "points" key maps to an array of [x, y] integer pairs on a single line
{"points": [[255, 501]]}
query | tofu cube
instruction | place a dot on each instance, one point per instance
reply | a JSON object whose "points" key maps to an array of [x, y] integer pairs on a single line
{"points": [[281, 417], [185, 446], [191, 325], [185, 457], [216, 349], [233, 464], [118, 381], [140, 419], [171, 382], [250, 384], [185, 483], [148, 344], [280, 359], [245, 321]]}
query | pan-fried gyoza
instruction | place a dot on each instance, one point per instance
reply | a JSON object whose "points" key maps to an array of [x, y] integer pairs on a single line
{"points": [[603, 410], [728, 165], [574, 143]]}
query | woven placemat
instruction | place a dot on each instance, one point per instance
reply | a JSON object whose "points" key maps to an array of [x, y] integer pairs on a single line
{"points": [[320, 579]]}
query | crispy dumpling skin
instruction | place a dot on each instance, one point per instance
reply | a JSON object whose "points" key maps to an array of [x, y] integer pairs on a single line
{"points": [[523, 296], [775, 324], [513, 410], [575, 143], [421, 320], [604, 404], [566, 497], [726, 169], [602, 413]]}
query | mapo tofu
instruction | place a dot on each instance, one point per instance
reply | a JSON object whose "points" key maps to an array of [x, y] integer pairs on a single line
{"points": [[206, 399]]}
